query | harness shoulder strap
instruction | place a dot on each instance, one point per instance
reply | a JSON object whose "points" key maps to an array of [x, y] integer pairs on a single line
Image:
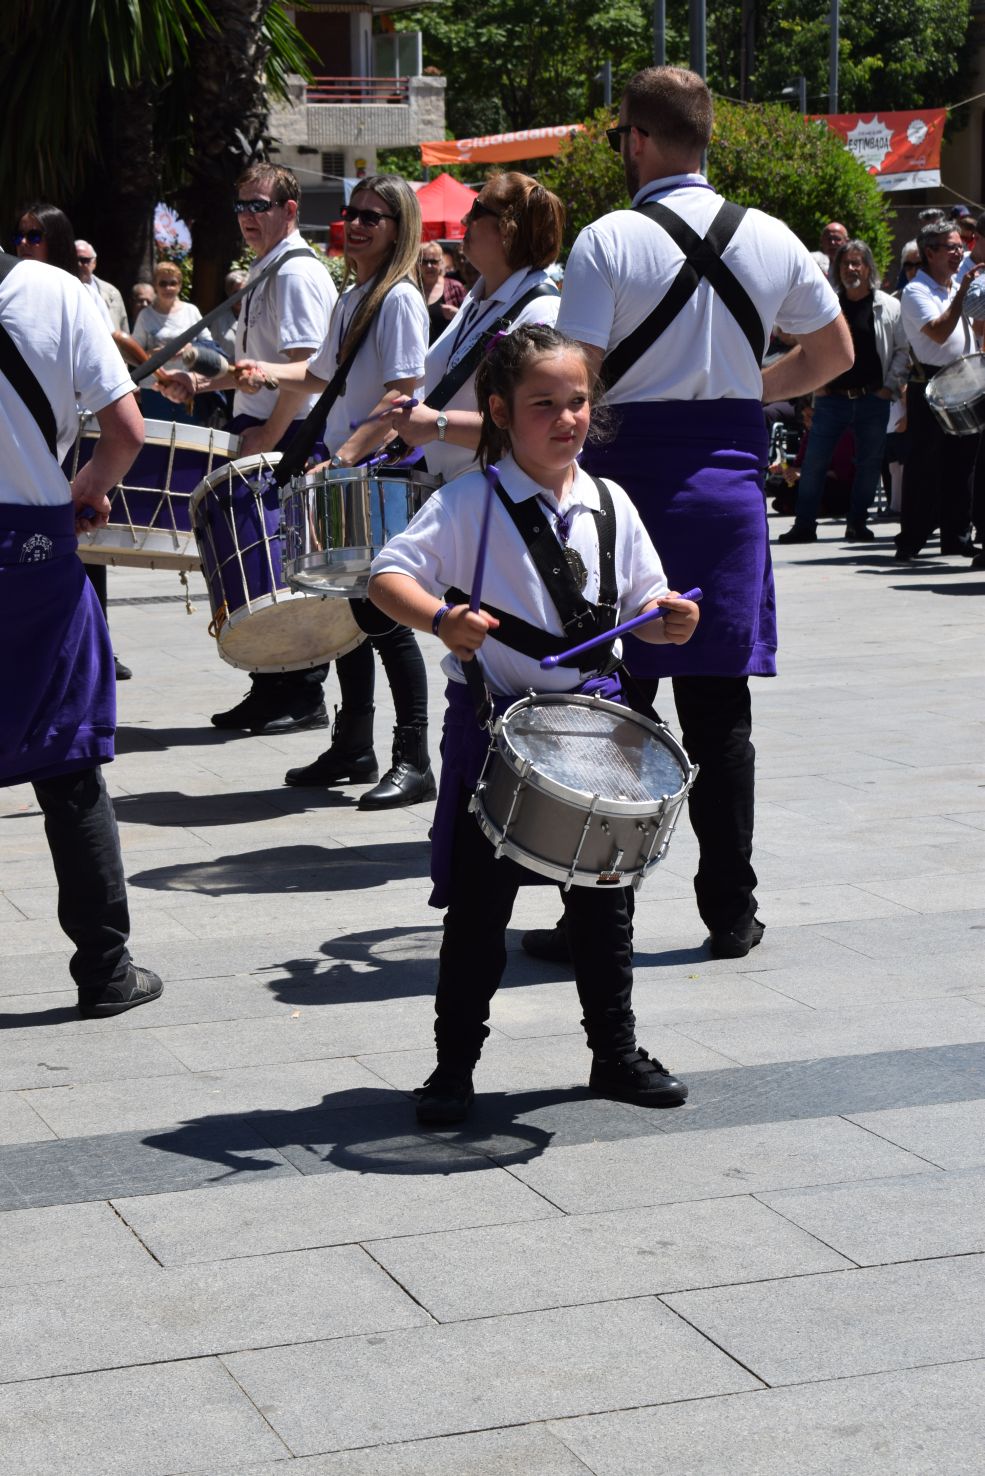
{"points": [[265, 277], [451, 383], [22, 377], [702, 258]]}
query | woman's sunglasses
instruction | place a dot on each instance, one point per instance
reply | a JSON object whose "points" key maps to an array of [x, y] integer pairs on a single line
{"points": [[369, 218], [33, 238], [477, 211]]}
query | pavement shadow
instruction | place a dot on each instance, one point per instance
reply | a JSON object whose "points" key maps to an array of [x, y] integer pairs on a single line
{"points": [[978, 588], [156, 740], [281, 869], [57, 1015], [169, 807], [367, 1131]]}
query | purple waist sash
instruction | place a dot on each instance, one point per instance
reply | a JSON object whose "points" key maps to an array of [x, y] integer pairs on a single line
{"points": [[59, 708], [695, 471], [464, 746]]}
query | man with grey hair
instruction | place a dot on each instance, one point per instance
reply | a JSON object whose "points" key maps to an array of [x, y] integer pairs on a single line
{"points": [[104, 292], [857, 400], [937, 473]]}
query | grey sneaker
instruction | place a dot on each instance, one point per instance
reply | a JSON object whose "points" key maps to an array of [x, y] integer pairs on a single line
{"points": [[139, 987]]}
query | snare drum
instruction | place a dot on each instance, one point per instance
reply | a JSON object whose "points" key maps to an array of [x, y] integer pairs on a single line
{"points": [[338, 518], [150, 520], [956, 395], [259, 624], [581, 790]]}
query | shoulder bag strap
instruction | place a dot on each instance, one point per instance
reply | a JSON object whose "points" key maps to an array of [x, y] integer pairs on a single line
{"points": [[702, 258], [452, 382], [22, 377]]}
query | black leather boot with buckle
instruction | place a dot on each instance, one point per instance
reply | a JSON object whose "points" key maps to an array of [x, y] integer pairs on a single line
{"points": [[350, 760], [410, 780]]}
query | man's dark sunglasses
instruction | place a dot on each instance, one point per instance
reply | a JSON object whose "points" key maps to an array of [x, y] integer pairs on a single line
{"points": [[614, 135], [33, 238], [477, 210], [369, 218], [254, 207]]}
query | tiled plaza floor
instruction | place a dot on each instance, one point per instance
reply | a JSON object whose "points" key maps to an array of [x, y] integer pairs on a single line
{"points": [[227, 1249]]}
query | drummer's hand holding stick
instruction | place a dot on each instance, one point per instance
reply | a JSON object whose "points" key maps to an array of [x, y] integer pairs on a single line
{"points": [[670, 620], [401, 597]]}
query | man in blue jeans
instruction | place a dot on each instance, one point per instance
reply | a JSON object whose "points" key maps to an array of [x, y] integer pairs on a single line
{"points": [[857, 401]]}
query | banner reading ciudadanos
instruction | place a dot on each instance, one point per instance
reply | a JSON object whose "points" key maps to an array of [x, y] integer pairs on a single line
{"points": [[902, 150]]}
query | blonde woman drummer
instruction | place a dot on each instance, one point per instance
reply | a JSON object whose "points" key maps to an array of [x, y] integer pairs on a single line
{"points": [[381, 294], [513, 233]]}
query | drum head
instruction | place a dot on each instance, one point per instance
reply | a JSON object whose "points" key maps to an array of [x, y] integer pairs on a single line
{"points": [[960, 384], [292, 634], [594, 749]]}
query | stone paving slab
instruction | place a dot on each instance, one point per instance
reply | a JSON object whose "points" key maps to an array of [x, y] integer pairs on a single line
{"points": [[528, 1450], [951, 1135], [599, 1258], [19, 1123], [881, 1424], [259, 1219], [45, 1059], [257, 1302], [152, 1421], [479, 1375], [668, 1169], [67, 1243], [893, 1220], [847, 1322]]}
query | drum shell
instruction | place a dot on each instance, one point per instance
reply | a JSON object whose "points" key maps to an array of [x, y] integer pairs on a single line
{"points": [[956, 396], [337, 519], [258, 622], [563, 832], [150, 517]]}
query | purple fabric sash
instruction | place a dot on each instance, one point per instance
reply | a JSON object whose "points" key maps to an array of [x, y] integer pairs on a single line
{"points": [[464, 746], [695, 470], [59, 709]]}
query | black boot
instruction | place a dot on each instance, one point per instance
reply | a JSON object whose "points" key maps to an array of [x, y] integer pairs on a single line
{"points": [[350, 760], [410, 780]]}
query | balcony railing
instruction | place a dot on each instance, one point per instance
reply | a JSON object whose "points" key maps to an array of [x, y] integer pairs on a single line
{"points": [[343, 91]]}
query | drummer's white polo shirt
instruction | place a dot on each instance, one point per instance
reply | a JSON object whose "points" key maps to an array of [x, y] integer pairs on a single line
{"points": [[289, 311], [922, 301], [67, 345], [394, 348], [438, 550], [622, 265], [476, 316]]}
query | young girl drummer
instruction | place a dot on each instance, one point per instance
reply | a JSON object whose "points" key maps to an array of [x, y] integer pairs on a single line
{"points": [[534, 394]]}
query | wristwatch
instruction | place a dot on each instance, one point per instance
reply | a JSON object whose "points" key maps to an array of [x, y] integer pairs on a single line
{"points": [[441, 425]]}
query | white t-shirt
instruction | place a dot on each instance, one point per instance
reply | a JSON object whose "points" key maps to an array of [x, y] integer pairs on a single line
{"points": [[395, 348], [289, 311], [93, 290], [621, 266], [153, 329], [922, 300], [476, 316], [438, 549], [62, 336]]}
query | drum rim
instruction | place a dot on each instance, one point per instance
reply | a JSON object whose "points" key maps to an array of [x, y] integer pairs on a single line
{"points": [[565, 793], [268, 459], [570, 876], [187, 436], [326, 475]]}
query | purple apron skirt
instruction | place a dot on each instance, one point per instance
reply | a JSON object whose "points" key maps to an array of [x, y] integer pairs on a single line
{"points": [[695, 471], [59, 710], [464, 746]]}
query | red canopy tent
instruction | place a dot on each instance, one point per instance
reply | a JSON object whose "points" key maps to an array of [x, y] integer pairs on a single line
{"points": [[443, 202]]}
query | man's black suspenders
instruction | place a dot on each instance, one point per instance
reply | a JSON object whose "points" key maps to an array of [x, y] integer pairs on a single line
{"points": [[702, 258]]}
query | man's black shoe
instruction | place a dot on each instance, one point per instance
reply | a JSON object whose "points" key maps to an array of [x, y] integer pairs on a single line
{"points": [[859, 533], [638, 1078], [905, 556], [123, 673], [550, 944], [978, 562], [964, 548], [289, 722], [139, 987], [736, 944], [256, 715], [798, 535], [445, 1097]]}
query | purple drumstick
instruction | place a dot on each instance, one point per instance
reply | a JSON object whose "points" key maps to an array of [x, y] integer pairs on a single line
{"points": [[492, 477], [382, 414], [551, 661]]}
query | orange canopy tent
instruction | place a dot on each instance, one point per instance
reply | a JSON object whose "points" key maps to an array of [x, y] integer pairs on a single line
{"points": [[443, 202]]}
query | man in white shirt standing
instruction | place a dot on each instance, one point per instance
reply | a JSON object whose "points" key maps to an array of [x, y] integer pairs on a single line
{"points": [[105, 292], [938, 468], [58, 715], [283, 320], [674, 301]]}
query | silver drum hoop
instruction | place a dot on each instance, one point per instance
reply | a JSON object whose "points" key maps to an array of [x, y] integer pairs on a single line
{"points": [[581, 790], [336, 520], [956, 396]]}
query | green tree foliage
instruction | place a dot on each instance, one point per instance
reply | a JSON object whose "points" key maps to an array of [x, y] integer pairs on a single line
{"points": [[767, 157]]}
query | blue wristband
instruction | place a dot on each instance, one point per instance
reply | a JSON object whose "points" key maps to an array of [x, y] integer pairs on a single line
{"points": [[439, 615]]}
